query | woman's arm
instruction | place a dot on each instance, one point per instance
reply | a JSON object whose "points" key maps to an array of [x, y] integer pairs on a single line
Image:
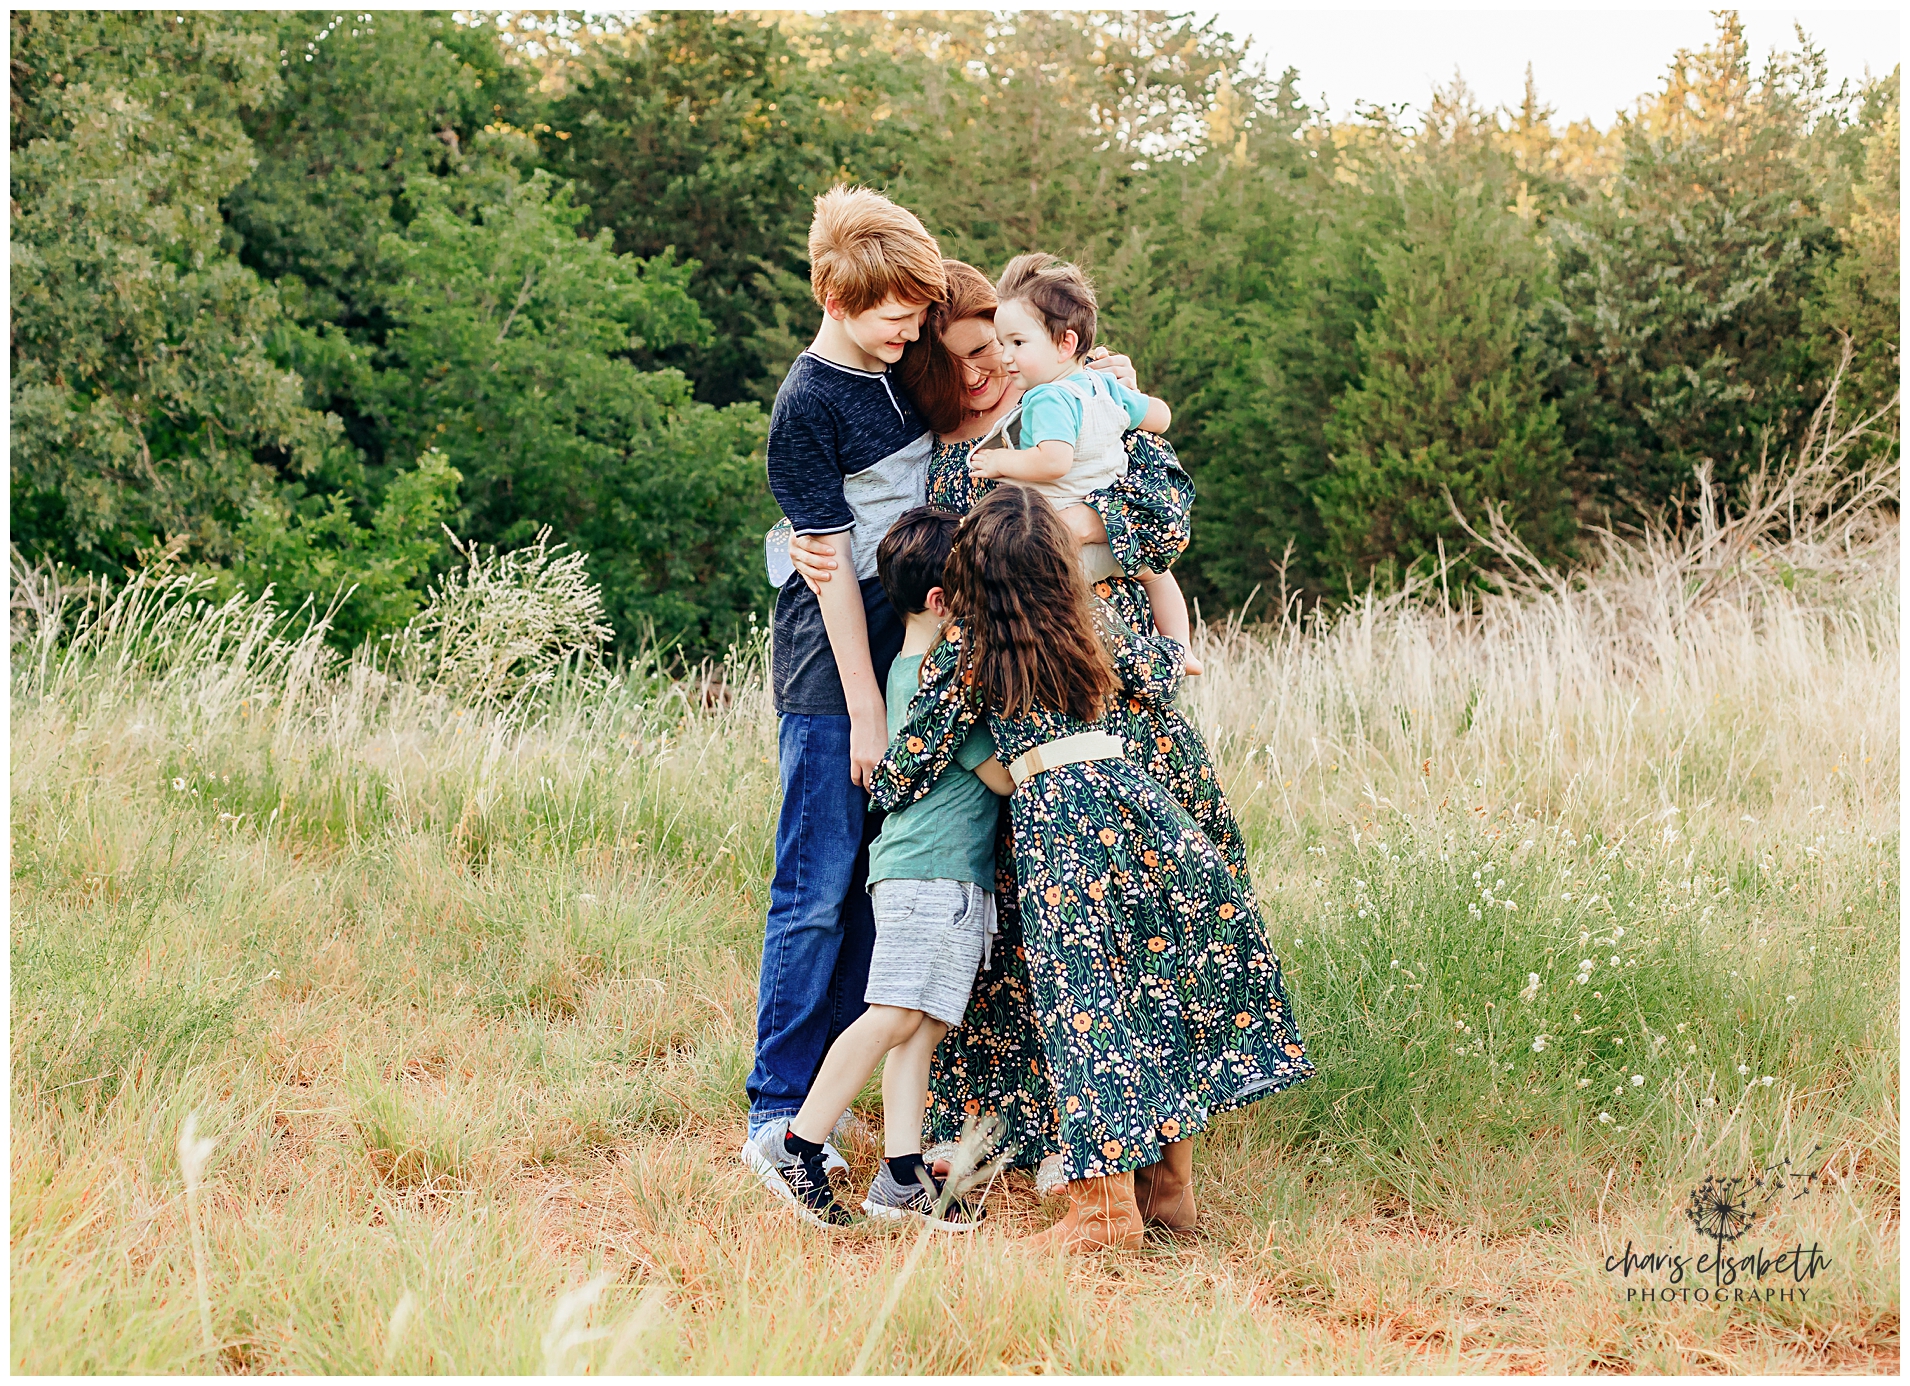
{"points": [[1150, 667], [935, 727], [1148, 513], [814, 557]]}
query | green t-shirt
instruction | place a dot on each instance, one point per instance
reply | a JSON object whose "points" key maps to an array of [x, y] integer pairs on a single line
{"points": [[949, 833]]}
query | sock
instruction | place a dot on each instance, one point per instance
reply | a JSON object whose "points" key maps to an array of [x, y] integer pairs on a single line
{"points": [[803, 1150], [908, 1170]]}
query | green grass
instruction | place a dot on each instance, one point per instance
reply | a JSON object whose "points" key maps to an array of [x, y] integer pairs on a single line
{"points": [[465, 996]]}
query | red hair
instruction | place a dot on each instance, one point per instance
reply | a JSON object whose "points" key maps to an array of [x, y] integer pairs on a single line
{"points": [[930, 372]]}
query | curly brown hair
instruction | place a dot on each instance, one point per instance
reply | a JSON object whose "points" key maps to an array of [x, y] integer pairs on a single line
{"points": [[931, 376], [1029, 637]]}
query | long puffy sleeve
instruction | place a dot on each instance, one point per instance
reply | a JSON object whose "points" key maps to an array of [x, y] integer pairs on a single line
{"points": [[1150, 667], [939, 718], [1148, 512]]}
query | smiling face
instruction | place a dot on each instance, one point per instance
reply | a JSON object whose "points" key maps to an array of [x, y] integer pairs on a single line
{"points": [[973, 344], [1027, 349], [881, 332]]}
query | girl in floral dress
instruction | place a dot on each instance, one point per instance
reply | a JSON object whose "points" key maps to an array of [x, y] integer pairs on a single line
{"points": [[1151, 987]]}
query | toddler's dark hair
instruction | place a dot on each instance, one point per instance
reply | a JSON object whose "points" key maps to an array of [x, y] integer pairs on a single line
{"points": [[912, 554], [1060, 292]]}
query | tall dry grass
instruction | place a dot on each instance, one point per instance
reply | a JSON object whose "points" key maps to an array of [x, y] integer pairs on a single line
{"points": [[1585, 888]]}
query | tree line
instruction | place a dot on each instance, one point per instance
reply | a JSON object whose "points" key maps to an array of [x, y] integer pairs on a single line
{"points": [[293, 292]]}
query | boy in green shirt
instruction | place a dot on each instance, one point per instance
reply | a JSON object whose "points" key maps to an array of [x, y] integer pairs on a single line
{"points": [[932, 876]]}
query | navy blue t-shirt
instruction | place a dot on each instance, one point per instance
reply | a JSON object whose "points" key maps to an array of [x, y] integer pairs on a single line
{"points": [[847, 453]]}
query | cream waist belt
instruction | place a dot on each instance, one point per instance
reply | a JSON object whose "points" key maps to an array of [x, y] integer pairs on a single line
{"points": [[1068, 750]]}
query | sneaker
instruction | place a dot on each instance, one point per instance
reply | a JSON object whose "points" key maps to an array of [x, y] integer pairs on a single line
{"points": [[832, 1161], [804, 1186], [890, 1198]]}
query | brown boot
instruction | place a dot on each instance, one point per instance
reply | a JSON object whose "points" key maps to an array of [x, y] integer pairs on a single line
{"points": [[1101, 1215], [1165, 1191]]}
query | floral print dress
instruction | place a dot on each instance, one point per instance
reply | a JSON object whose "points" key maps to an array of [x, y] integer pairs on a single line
{"points": [[995, 1061], [1146, 513], [1154, 997]]}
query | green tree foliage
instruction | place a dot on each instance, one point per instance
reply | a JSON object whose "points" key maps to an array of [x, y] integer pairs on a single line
{"points": [[294, 288], [146, 405], [1863, 291], [1040, 130], [1242, 303], [1685, 289], [371, 101], [506, 352], [368, 576], [1449, 409], [711, 134]]}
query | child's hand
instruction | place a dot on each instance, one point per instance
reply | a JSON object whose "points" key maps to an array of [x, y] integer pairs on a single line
{"points": [[986, 466]]}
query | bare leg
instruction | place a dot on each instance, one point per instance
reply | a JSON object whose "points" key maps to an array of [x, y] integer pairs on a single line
{"points": [[905, 1088], [1170, 612], [850, 1061], [1084, 522]]}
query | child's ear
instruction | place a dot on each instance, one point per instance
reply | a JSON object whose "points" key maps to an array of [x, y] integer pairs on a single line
{"points": [[1070, 344], [935, 602], [832, 307]]}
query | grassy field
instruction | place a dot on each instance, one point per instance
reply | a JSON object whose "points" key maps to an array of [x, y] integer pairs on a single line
{"points": [[1585, 893]]}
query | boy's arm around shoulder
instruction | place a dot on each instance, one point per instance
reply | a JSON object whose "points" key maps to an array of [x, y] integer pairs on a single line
{"points": [[1158, 416]]}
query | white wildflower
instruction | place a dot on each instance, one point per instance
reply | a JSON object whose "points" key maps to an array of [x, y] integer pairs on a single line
{"points": [[1530, 992], [1744, 1068], [1638, 1080], [1604, 1118], [1538, 1045]]}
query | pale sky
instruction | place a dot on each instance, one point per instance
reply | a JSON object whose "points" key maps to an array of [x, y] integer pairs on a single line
{"points": [[1588, 63]]}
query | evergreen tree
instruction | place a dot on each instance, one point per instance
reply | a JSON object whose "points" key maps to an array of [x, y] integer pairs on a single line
{"points": [[1862, 294], [1684, 291], [1450, 399]]}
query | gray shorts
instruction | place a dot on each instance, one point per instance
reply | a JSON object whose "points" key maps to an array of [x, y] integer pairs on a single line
{"points": [[929, 940]]}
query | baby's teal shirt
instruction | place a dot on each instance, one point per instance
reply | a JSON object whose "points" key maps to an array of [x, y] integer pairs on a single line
{"points": [[1051, 413]]}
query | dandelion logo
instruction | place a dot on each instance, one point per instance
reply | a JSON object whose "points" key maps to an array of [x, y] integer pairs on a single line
{"points": [[1721, 1210]]}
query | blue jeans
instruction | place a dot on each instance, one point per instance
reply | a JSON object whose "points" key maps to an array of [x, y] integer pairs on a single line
{"points": [[821, 928]]}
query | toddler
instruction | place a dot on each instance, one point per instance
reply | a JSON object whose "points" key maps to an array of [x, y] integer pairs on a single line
{"points": [[1072, 418]]}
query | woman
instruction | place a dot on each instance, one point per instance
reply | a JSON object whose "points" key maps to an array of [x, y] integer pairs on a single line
{"points": [[1155, 996], [994, 1062]]}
